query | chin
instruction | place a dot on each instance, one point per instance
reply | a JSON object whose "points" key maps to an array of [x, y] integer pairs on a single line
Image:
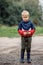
{"points": [[26, 20]]}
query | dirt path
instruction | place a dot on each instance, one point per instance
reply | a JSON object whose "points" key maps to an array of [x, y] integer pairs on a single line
{"points": [[10, 51]]}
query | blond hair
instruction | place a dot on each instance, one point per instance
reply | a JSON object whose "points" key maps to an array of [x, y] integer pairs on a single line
{"points": [[25, 11]]}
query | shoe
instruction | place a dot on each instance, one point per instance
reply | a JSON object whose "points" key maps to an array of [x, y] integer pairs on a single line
{"points": [[22, 56], [29, 61], [21, 60], [28, 58]]}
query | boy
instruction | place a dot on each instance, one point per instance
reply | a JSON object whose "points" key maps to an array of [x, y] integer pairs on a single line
{"points": [[26, 29]]}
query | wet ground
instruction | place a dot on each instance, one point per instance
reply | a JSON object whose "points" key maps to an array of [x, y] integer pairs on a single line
{"points": [[10, 51]]}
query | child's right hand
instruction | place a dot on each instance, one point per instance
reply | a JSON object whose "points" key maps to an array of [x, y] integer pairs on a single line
{"points": [[25, 33]]}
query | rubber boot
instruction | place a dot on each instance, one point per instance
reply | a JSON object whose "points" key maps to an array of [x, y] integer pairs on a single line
{"points": [[22, 56], [28, 58]]}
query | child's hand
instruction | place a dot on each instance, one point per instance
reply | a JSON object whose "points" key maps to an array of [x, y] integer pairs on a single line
{"points": [[28, 32], [25, 33]]}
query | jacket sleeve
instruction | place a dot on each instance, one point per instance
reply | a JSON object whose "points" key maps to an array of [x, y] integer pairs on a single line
{"points": [[32, 30], [20, 31]]}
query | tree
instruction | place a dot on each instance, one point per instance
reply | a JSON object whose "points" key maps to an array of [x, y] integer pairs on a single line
{"points": [[10, 11], [3, 10]]}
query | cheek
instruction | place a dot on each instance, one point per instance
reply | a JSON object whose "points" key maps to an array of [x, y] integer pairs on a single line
{"points": [[24, 18], [27, 18]]}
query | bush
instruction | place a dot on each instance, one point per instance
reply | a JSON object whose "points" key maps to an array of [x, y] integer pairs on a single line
{"points": [[10, 11]]}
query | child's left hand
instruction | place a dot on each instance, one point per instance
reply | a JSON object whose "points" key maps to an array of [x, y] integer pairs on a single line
{"points": [[28, 32]]}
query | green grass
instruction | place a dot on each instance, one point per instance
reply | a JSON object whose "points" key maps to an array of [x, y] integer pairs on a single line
{"points": [[39, 31], [6, 31]]}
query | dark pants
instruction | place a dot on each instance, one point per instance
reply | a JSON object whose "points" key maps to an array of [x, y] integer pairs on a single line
{"points": [[25, 45]]}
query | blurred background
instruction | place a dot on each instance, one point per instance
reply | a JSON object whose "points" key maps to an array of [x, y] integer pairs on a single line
{"points": [[10, 16]]}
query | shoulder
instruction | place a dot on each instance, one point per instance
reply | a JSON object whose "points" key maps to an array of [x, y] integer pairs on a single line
{"points": [[30, 22], [20, 22]]}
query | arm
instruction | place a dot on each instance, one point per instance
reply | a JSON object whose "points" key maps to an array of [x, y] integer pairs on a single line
{"points": [[33, 28], [31, 32], [20, 31]]}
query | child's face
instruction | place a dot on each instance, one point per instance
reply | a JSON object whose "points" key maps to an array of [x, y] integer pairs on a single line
{"points": [[25, 17]]}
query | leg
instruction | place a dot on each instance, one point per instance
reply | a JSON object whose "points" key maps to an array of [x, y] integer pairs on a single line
{"points": [[22, 50], [28, 55], [22, 55], [28, 50]]}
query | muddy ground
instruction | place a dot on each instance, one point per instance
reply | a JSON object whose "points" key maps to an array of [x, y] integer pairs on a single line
{"points": [[10, 51]]}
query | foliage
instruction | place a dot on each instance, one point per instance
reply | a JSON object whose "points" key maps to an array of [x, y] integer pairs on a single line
{"points": [[10, 11]]}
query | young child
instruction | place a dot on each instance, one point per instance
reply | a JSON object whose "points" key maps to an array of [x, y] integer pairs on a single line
{"points": [[26, 29]]}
